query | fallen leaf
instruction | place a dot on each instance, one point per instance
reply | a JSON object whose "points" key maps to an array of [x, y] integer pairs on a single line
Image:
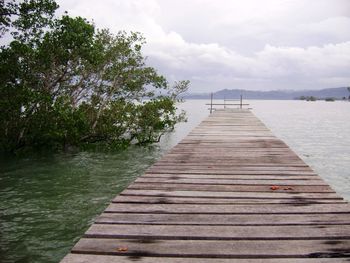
{"points": [[288, 188], [274, 187], [122, 249]]}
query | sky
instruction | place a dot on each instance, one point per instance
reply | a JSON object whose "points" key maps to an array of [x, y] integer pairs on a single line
{"points": [[235, 44]]}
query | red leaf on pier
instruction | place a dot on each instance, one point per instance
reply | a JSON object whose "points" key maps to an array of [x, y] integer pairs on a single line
{"points": [[122, 249]]}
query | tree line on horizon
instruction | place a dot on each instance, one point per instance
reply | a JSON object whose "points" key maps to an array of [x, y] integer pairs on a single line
{"points": [[313, 98], [65, 83]]}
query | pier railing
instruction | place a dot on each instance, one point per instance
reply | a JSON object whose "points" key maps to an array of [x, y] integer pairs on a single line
{"points": [[225, 104]]}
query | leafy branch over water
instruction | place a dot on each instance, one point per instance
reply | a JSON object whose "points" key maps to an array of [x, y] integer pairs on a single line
{"points": [[65, 83]]}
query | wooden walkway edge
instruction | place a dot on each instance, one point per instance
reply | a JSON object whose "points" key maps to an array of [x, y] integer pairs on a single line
{"points": [[229, 192]]}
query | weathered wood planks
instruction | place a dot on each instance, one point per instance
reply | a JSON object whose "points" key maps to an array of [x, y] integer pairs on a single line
{"points": [[213, 248], [229, 192]]}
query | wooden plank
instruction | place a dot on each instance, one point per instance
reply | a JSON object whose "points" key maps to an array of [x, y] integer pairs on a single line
{"points": [[232, 188], [225, 219], [246, 177], [223, 201], [237, 141], [228, 209], [230, 181], [215, 249], [232, 195], [226, 168], [213, 232], [79, 258], [236, 167], [226, 151], [248, 161], [210, 171], [200, 144], [240, 166]]}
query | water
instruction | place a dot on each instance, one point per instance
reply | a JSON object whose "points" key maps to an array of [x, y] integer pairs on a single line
{"points": [[319, 132], [48, 202]]}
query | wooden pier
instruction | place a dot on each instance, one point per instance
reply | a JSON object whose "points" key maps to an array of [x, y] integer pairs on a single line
{"points": [[229, 192]]}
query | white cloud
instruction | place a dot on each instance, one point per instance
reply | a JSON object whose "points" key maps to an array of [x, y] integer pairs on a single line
{"points": [[271, 44], [133, 15], [289, 67]]}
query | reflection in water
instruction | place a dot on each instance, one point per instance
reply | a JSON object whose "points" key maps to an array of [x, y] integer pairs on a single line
{"points": [[48, 202]]}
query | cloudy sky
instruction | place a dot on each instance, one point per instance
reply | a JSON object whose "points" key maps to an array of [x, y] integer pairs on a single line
{"points": [[250, 44]]}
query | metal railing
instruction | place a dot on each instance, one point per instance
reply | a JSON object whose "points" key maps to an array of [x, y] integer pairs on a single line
{"points": [[240, 104]]}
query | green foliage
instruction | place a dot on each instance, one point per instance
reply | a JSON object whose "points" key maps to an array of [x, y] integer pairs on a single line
{"points": [[153, 118], [26, 19], [308, 98], [64, 83]]}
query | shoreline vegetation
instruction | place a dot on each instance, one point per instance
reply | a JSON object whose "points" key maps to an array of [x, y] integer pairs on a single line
{"points": [[66, 84], [313, 98]]}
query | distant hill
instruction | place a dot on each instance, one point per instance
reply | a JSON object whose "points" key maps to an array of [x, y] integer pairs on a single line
{"points": [[337, 93]]}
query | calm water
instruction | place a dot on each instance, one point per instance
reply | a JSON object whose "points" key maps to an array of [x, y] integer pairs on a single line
{"points": [[47, 203], [319, 132]]}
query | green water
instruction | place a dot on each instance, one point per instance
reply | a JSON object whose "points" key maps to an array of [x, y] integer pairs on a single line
{"points": [[48, 202]]}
